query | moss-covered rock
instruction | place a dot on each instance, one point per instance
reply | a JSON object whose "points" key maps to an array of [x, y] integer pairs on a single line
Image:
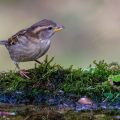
{"points": [[48, 78]]}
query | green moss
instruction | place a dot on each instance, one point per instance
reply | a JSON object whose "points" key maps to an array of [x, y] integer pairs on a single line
{"points": [[115, 78], [48, 78]]}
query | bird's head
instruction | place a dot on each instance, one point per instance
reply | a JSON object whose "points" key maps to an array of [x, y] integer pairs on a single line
{"points": [[45, 29]]}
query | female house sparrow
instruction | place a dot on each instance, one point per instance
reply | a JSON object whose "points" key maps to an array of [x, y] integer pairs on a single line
{"points": [[31, 43]]}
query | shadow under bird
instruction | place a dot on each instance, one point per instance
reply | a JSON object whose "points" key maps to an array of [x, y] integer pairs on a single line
{"points": [[31, 43]]}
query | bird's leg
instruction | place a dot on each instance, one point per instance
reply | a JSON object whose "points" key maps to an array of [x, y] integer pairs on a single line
{"points": [[38, 61], [23, 73]]}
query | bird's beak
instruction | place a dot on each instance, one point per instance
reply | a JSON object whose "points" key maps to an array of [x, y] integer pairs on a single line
{"points": [[58, 28]]}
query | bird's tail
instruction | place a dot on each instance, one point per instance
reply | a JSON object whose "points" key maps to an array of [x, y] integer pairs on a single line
{"points": [[3, 42]]}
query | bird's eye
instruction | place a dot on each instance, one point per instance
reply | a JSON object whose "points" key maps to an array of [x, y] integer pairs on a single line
{"points": [[50, 28]]}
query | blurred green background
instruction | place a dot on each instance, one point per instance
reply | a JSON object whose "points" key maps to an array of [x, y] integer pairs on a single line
{"points": [[92, 29]]}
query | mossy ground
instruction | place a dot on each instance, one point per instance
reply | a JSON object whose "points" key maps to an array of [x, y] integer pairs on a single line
{"points": [[48, 78]]}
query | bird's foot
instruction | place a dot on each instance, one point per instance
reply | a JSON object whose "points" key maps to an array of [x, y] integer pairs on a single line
{"points": [[24, 73]]}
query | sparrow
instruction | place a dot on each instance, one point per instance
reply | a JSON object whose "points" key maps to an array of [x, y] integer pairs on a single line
{"points": [[31, 43]]}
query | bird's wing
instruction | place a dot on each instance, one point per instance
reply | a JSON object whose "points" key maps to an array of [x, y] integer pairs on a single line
{"points": [[29, 33], [14, 39]]}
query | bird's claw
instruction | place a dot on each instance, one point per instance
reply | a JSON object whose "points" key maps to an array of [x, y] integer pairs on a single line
{"points": [[24, 73]]}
